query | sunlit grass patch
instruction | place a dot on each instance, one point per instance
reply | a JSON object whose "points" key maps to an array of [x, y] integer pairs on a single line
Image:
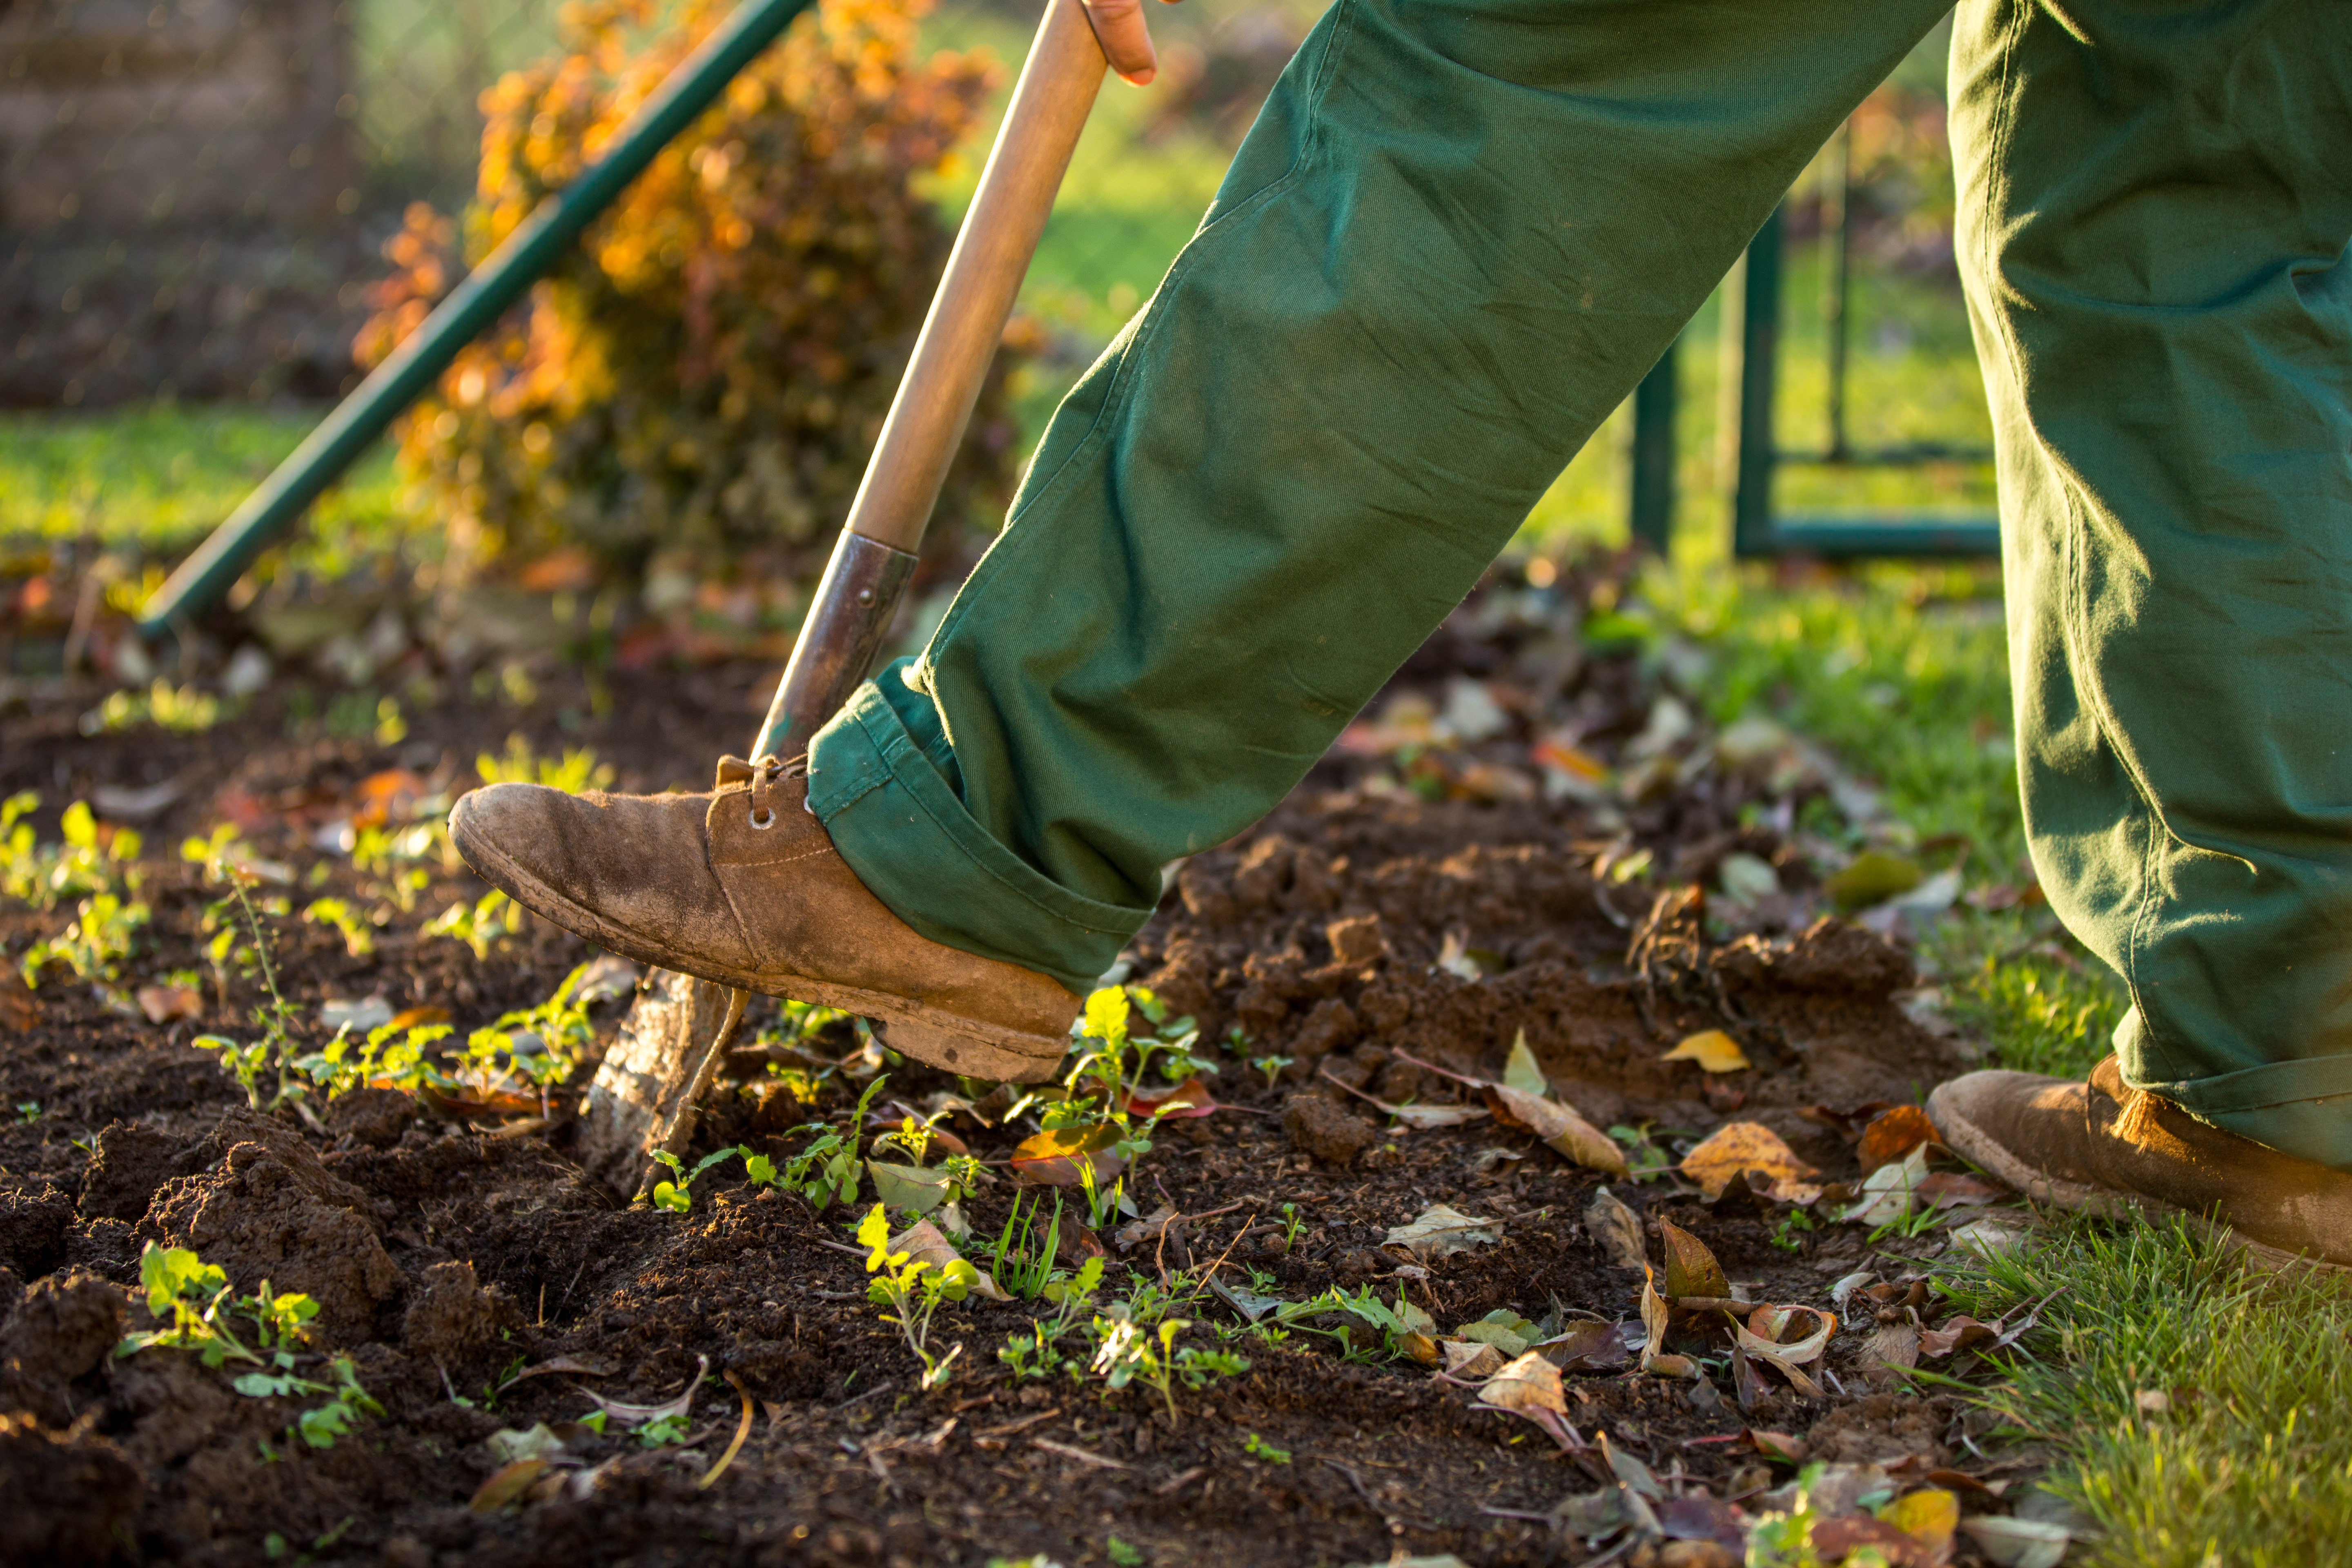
{"points": [[2201, 1404]]}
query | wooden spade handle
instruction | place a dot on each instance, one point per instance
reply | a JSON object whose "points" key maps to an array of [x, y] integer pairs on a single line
{"points": [[1049, 108]]}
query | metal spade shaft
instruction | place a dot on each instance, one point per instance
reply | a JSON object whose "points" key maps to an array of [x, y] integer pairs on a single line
{"points": [[875, 556]]}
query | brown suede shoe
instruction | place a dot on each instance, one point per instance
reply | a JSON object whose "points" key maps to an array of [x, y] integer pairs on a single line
{"points": [[2103, 1148], [744, 887]]}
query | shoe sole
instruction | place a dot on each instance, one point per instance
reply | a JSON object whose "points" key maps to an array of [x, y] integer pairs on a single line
{"points": [[1980, 1148], [946, 1040]]}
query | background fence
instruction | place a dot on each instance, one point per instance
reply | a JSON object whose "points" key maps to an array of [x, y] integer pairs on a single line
{"points": [[193, 194]]}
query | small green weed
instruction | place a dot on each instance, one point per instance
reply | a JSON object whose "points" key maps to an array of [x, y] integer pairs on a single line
{"points": [[183, 710], [90, 861], [1258, 1447], [480, 925], [912, 1288], [573, 771], [677, 1196], [359, 937]]}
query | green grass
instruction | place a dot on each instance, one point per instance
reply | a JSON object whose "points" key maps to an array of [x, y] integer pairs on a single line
{"points": [[2250, 1463]]}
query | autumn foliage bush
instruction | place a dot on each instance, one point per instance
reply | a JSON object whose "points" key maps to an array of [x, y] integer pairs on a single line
{"points": [[694, 393]]}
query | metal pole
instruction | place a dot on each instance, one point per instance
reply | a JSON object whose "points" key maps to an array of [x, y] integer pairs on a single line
{"points": [[1652, 522], [532, 251], [1837, 248], [1759, 298]]}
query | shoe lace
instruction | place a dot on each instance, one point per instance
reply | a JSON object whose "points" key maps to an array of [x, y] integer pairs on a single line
{"points": [[765, 775]]}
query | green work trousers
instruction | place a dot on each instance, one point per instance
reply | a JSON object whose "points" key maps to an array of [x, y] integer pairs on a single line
{"points": [[1457, 237]]}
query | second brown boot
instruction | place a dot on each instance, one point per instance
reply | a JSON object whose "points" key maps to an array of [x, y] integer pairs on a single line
{"points": [[743, 886], [2103, 1147]]}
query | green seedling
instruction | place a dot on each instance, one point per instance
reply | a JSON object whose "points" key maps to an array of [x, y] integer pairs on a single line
{"points": [[1270, 1066], [677, 1196], [1645, 1158], [1120, 1552], [1258, 1447], [1033, 1355], [663, 1432], [574, 771], [1784, 1235], [480, 925], [1023, 1266], [44, 875], [827, 1169], [183, 710], [358, 938], [912, 1288], [1127, 1351], [29, 1110], [1293, 1222], [376, 1058], [94, 946]]}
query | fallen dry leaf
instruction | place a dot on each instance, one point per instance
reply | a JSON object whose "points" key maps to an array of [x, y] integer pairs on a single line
{"points": [[1559, 1127], [1616, 1229], [1691, 1268], [1892, 1347], [1530, 1387], [1928, 1516], [1837, 1540], [1655, 1317], [2019, 1542], [1712, 1049], [629, 1415], [1558, 1124], [1189, 1099], [1441, 1230], [1764, 1338], [1894, 1133], [1470, 1358], [1755, 1151], [1587, 1347], [923, 1242], [907, 1189], [1780, 1447], [506, 1485], [1887, 1191], [166, 1004], [1419, 1117], [1952, 1190], [1055, 1158]]}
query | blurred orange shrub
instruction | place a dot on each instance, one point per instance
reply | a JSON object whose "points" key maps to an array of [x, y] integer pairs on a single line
{"points": [[702, 381]]}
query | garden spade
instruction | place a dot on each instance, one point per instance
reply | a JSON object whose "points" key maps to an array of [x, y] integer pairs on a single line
{"points": [[644, 1094]]}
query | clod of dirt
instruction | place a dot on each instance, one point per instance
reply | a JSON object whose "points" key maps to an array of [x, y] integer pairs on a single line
{"points": [[70, 1493], [262, 1215], [130, 1161], [1881, 1429], [33, 1230], [1332, 1135], [373, 1117], [60, 1331], [451, 1319], [1357, 940], [1330, 1027], [1828, 955]]}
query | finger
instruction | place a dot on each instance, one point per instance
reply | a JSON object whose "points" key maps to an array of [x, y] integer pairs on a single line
{"points": [[1126, 41]]}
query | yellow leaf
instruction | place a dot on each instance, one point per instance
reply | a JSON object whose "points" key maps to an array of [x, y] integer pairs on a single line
{"points": [[1928, 1517], [1713, 1051], [1560, 1127]]}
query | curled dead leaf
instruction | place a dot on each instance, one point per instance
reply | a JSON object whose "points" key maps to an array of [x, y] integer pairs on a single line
{"points": [[1656, 1315], [1892, 1133], [507, 1484], [1055, 1158], [1691, 1268], [1440, 1230], [1616, 1229], [1471, 1358], [1764, 1337], [1530, 1387], [1559, 1127]]}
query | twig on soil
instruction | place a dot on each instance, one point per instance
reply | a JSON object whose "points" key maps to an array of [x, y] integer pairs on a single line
{"points": [[1177, 1483], [1010, 1427], [1067, 1451], [882, 1387]]}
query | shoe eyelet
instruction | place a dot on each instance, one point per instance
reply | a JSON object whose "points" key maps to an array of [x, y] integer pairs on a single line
{"points": [[762, 822]]}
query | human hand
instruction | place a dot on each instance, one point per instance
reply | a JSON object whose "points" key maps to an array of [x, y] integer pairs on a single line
{"points": [[1126, 40]]}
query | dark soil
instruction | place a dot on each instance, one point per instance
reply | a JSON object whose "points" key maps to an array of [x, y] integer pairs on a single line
{"points": [[445, 1256]]}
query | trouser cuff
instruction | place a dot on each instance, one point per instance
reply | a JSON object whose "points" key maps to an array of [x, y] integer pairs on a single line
{"points": [[884, 796], [2298, 1108]]}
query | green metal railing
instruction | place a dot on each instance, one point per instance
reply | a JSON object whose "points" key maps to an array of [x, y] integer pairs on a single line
{"points": [[1752, 303], [528, 254]]}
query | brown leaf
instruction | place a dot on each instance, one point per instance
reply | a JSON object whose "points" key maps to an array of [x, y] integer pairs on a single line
{"points": [[1559, 1126], [1951, 1190], [506, 1486], [1055, 1158], [1471, 1358], [1894, 1133], [164, 1003], [1691, 1268], [1835, 1539], [1616, 1229], [1586, 1347], [1763, 1337], [1655, 1317], [1754, 1150], [1780, 1447], [1191, 1098], [1440, 1229], [1894, 1347], [1955, 1333], [1530, 1387]]}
